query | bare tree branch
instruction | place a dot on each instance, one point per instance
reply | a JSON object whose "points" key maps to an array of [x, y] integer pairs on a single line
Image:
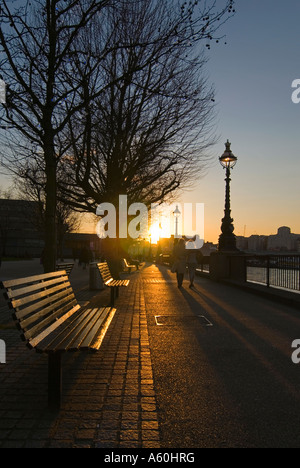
{"points": [[148, 133]]}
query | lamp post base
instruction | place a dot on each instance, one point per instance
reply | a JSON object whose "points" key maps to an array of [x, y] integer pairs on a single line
{"points": [[228, 265], [227, 243]]}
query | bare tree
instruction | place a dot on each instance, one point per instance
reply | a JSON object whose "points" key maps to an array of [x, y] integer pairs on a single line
{"points": [[81, 62], [36, 47], [30, 186], [148, 133], [6, 216]]}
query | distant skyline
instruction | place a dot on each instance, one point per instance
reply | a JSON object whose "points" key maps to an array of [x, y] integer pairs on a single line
{"points": [[253, 77]]}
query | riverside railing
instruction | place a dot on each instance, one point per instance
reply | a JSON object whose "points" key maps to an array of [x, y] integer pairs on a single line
{"points": [[203, 266], [279, 271]]}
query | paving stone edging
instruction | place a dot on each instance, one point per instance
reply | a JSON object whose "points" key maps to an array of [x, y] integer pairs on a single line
{"points": [[108, 397]]}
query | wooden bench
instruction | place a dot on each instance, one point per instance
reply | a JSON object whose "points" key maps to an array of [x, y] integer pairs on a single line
{"points": [[52, 322], [68, 267], [110, 282], [129, 267]]}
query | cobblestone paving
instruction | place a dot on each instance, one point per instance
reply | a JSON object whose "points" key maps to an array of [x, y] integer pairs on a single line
{"points": [[108, 397], [204, 367]]}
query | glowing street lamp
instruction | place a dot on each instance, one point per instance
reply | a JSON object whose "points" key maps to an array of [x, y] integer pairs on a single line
{"points": [[227, 240], [176, 214]]}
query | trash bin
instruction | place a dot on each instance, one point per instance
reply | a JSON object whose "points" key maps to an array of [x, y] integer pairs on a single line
{"points": [[95, 278]]}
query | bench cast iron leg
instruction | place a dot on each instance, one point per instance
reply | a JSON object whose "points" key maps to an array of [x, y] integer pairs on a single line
{"points": [[54, 380], [117, 291]]}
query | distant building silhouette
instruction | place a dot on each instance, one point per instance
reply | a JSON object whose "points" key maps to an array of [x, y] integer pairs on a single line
{"points": [[208, 248], [21, 234], [284, 241], [18, 235], [257, 243]]}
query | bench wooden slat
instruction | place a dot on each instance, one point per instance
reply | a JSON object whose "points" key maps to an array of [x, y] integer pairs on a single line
{"points": [[87, 333], [106, 278], [97, 341], [68, 267], [73, 340], [54, 340], [80, 331], [35, 311], [16, 282], [14, 293], [42, 324], [22, 313], [35, 341], [118, 283], [62, 339], [105, 316], [16, 303]]}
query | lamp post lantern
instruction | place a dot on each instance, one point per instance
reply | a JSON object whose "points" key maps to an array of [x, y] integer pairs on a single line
{"points": [[176, 214], [227, 240]]}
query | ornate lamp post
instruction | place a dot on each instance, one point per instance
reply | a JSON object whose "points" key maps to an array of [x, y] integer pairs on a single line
{"points": [[227, 240], [176, 214]]}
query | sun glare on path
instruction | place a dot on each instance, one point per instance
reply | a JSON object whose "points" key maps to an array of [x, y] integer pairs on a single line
{"points": [[156, 232]]}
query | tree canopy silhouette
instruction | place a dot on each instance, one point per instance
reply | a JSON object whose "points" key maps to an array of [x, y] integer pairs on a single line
{"points": [[111, 93]]}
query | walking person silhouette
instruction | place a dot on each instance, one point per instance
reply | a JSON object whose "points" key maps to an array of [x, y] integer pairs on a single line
{"points": [[179, 266], [192, 262]]}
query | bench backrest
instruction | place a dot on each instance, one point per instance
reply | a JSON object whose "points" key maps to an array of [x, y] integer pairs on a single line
{"points": [[105, 272], [41, 303], [68, 267]]}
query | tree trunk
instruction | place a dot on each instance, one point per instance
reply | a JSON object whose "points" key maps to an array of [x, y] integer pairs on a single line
{"points": [[49, 258]]}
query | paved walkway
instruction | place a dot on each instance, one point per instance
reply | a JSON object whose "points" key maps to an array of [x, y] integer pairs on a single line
{"points": [[222, 365], [209, 367], [108, 397]]}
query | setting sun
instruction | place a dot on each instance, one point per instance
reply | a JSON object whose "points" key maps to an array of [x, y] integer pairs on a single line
{"points": [[157, 232]]}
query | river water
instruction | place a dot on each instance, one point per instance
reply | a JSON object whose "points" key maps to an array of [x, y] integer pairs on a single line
{"points": [[279, 278]]}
